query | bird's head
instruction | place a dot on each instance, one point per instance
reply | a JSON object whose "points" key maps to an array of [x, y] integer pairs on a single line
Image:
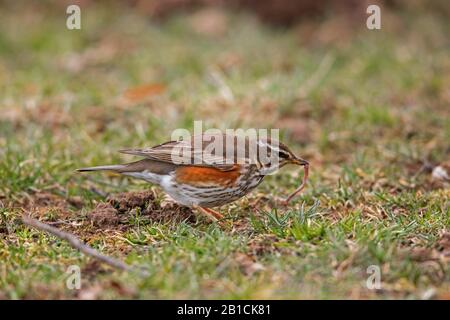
{"points": [[276, 156]]}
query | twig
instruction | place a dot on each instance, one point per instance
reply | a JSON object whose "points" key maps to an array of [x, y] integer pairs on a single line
{"points": [[79, 245]]}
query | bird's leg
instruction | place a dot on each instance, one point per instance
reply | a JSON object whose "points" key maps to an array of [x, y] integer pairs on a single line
{"points": [[211, 214], [214, 213]]}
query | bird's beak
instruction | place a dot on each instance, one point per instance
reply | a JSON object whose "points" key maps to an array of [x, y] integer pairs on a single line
{"points": [[300, 162]]}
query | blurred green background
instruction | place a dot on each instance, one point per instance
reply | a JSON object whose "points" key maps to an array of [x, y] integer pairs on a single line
{"points": [[368, 108]]}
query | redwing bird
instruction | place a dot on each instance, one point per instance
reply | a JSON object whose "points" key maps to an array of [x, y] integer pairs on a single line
{"points": [[208, 170]]}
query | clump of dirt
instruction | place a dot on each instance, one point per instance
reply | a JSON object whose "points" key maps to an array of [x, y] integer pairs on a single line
{"points": [[119, 208], [170, 211], [124, 202], [104, 216]]}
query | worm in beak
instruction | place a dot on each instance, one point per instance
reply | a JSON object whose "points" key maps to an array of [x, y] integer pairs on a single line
{"points": [[305, 164]]}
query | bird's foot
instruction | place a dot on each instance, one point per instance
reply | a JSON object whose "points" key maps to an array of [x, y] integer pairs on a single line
{"points": [[213, 215]]}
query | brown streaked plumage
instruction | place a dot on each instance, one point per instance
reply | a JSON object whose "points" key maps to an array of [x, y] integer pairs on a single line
{"points": [[206, 177]]}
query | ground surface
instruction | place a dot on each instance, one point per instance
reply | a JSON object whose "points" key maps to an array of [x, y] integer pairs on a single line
{"points": [[368, 109]]}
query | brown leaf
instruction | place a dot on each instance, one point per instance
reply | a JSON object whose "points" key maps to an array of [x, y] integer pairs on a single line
{"points": [[142, 92]]}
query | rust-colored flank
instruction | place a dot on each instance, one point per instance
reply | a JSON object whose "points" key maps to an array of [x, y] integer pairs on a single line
{"points": [[202, 176]]}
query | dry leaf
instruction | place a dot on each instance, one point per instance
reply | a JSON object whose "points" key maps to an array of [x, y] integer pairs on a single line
{"points": [[142, 92]]}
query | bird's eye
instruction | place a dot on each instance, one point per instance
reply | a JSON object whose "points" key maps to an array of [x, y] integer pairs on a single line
{"points": [[283, 155]]}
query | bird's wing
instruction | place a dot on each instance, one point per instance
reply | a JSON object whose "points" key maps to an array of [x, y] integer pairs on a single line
{"points": [[188, 153]]}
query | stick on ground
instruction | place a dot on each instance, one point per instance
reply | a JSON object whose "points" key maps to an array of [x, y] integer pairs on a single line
{"points": [[78, 244]]}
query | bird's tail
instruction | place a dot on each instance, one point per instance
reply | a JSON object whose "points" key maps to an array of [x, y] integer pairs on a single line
{"points": [[114, 167]]}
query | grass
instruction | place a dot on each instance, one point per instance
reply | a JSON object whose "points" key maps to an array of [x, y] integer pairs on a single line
{"points": [[368, 109]]}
